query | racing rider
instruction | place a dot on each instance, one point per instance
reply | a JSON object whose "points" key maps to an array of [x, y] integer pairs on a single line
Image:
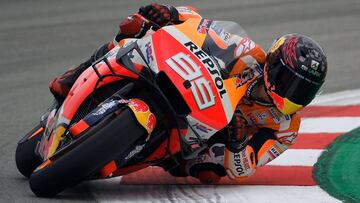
{"points": [[265, 122]]}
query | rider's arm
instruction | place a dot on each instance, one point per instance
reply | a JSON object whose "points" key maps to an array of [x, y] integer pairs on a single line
{"points": [[233, 52], [186, 12], [264, 146], [246, 53], [131, 27], [134, 27]]}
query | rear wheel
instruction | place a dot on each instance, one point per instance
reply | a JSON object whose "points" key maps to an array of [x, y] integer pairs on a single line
{"points": [[25, 157], [102, 143]]}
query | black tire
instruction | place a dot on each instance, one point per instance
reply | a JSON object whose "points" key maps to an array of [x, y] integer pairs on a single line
{"points": [[103, 144], [25, 157]]}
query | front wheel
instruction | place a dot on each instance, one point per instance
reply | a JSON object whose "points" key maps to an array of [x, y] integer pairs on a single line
{"points": [[103, 143], [25, 156]]}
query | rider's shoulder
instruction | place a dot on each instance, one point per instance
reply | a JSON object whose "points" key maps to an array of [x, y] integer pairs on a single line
{"points": [[186, 12]]}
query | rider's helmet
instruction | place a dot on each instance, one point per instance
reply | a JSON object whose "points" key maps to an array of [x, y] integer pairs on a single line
{"points": [[294, 71]]}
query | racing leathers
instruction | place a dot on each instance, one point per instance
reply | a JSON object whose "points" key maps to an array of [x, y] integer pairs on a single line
{"points": [[264, 134], [258, 132]]}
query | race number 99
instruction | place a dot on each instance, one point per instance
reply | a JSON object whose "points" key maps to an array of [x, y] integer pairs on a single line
{"points": [[186, 68]]}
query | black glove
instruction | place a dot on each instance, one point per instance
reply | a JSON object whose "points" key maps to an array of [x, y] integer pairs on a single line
{"points": [[160, 14], [207, 173], [238, 136]]}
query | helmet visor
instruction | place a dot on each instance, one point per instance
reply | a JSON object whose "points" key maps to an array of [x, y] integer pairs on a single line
{"points": [[292, 85]]}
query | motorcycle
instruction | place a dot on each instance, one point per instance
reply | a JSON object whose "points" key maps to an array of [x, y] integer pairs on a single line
{"points": [[148, 102]]}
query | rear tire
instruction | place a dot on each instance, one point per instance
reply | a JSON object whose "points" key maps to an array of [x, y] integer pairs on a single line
{"points": [[104, 143], [25, 157]]}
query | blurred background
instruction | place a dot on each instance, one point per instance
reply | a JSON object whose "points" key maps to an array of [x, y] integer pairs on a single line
{"points": [[41, 38]]}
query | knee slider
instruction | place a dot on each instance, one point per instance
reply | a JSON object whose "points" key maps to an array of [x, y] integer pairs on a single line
{"points": [[241, 164]]}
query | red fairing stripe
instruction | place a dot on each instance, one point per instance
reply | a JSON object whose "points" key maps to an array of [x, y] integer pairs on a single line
{"points": [[85, 85], [78, 128]]}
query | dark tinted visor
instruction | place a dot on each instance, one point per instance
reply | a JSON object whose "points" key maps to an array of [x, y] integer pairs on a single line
{"points": [[292, 85]]}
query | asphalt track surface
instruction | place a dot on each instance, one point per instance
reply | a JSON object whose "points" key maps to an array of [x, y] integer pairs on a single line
{"points": [[40, 39]]}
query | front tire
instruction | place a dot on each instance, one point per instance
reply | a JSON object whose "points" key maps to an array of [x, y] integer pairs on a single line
{"points": [[25, 157], [104, 143]]}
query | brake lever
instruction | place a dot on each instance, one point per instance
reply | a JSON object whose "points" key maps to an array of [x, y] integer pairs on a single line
{"points": [[148, 22]]}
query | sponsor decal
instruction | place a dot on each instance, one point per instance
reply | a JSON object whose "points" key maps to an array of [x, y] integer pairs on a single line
{"points": [[225, 36], [241, 162], [210, 65], [242, 78], [151, 122], [314, 64], [245, 159], [202, 127], [217, 29], [204, 25], [261, 116], [238, 165], [287, 138], [276, 115], [104, 108], [52, 118], [137, 149], [149, 52], [143, 115], [220, 31], [138, 105], [305, 68], [315, 73], [48, 146], [245, 46], [273, 152], [251, 88], [313, 70]]}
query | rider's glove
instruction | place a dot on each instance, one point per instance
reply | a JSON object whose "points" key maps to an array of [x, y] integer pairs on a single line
{"points": [[207, 172], [160, 14], [132, 26], [238, 135], [61, 85]]}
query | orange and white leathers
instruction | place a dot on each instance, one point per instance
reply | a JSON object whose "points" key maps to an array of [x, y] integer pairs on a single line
{"points": [[270, 132]]}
